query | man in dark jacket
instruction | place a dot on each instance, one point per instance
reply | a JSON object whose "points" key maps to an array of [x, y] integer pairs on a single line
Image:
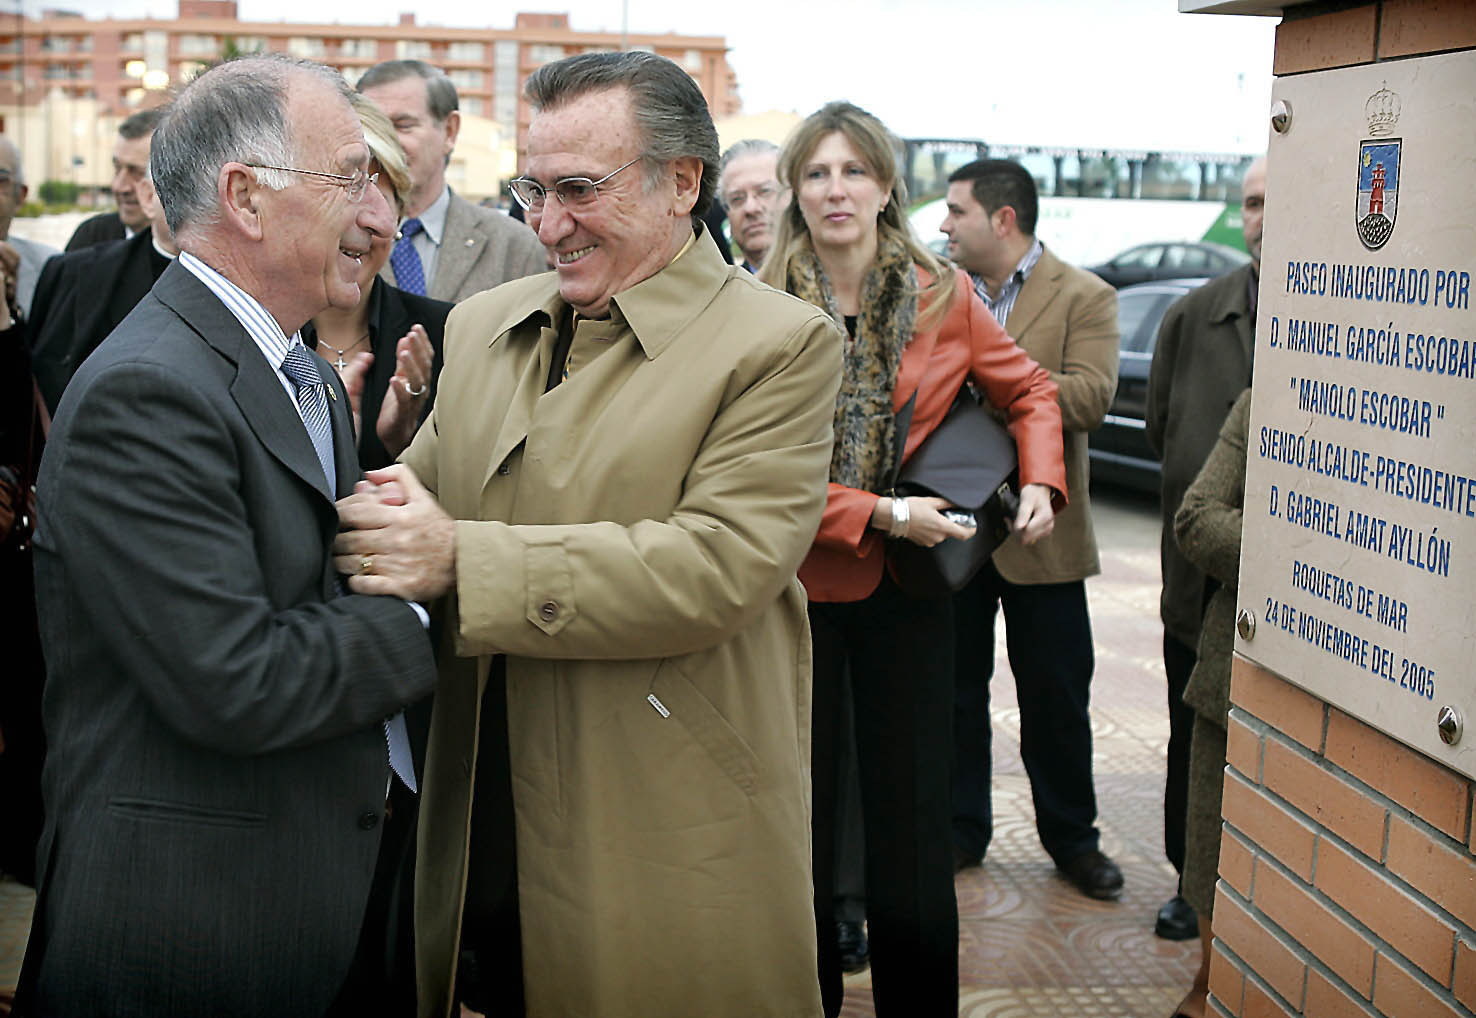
{"points": [[130, 164], [222, 720], [1201, 364], [83, 295]]}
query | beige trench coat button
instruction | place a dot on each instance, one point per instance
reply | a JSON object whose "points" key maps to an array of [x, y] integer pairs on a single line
{"points": [[548, 611]]}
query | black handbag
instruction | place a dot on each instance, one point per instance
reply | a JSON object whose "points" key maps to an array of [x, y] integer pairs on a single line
{"points": [[970, 460]]}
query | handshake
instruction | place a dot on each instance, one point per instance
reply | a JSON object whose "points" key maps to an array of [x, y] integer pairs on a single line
{"points": [[394, 539]]}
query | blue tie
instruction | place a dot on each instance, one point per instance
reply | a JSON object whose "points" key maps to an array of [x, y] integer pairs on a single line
{"points": [[405, 260], [302, 371]]}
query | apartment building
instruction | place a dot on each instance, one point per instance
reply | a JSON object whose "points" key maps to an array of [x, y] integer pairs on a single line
{"points": [[71, 79]]}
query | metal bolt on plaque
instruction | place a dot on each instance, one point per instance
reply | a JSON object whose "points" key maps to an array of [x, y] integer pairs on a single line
{"points": [[1450, 724], [1245, 624], [1281, 116]]}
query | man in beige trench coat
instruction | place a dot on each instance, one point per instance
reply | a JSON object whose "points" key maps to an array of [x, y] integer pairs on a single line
{"points": [[628, 460]]}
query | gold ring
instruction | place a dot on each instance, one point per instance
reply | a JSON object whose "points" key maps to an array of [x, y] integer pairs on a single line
{"points": [[366, 565]]}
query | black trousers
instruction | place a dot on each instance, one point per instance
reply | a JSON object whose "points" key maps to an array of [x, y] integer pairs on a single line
{"points": [[1048, 636], [1178, 663], [900, 656]]}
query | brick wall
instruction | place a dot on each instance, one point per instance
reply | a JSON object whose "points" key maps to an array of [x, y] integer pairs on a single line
{"points": [[1348, 861], [1347, 876]]}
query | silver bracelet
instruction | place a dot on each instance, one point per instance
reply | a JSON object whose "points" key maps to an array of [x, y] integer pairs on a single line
{"points": [[901, 517]]}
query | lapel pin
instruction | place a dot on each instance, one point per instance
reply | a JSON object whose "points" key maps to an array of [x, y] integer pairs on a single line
{"points": [[331, 394]]}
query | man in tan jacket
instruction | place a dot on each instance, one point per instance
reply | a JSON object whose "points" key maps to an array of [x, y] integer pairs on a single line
{"points": [[628, 462], [1066, 319]]}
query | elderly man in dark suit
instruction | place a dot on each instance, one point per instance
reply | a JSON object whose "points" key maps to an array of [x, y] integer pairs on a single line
{"points": [[448, 248], [83, 295], [218, 711], [130, 165]]}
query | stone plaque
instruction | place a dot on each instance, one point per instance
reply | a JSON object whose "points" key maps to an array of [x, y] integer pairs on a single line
{"points": [[1359, 553]]}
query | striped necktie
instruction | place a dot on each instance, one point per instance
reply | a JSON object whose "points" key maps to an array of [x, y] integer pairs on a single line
{"points": [[301, 370], [405, 260], [312, 402]]}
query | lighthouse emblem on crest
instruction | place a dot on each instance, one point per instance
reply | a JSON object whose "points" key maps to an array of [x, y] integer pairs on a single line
{"points": [[1378, 171]]}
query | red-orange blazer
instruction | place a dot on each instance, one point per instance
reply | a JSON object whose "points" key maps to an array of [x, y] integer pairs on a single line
{"points": [[845, 563]]}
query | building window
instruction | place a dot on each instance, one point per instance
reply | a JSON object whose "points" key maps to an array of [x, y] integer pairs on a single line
{"points": [[472, 106], [692, 60], [198, 45], [543, 53], [248, 43], [56, 44], [505, 110], [132, 42], [412, 49], [464, 79], [301, 46], [468, 51], [362, 48]]}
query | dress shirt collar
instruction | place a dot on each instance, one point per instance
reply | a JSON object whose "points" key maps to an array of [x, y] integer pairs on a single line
{"points": [[433, 219], [255, 319], [657, 308], [1001, 306]]}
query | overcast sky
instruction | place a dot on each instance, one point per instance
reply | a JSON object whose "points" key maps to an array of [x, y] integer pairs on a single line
{"points": [[1119, 73]]}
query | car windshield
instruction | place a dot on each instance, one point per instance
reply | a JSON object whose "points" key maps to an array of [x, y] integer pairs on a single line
{"points": [[1133, 309]]}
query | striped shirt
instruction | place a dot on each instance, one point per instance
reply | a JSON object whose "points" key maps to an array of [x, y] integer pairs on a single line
{"points": [[1001, 306]]}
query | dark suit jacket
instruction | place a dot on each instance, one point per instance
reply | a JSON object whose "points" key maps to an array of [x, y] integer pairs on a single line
{"points": [[98, 229], [391, 313], [1201, 365], [80, 298], [218, 764]]}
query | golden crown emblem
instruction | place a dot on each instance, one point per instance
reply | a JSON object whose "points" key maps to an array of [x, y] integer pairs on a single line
{"points": [[1382, 110]]}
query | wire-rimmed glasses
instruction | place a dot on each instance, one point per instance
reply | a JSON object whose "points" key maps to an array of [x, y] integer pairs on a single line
{"points": [[571, 191], [354, 185]]}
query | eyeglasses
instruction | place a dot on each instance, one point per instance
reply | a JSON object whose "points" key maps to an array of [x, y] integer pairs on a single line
{"points": [[760, 194], [573, 191], [355, 185]]}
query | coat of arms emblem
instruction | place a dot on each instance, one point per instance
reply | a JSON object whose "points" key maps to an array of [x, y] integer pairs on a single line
{"points": [[1378, 171]]}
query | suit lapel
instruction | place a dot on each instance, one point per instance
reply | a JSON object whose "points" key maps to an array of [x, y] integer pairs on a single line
{"points": [[1040, 289], [118, 281], [345, 447], [256, 389], [461, 245]]}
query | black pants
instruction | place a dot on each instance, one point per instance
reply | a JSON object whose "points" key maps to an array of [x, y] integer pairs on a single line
{"points": [[1049, 639], [900, 655], [1178, 663], [489, 976]]}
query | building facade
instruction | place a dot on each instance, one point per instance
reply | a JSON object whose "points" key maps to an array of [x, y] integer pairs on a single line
{"points": [[116, 66]]}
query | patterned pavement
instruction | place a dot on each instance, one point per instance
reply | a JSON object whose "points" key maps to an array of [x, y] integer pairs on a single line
{"points": [[1030, 946]]}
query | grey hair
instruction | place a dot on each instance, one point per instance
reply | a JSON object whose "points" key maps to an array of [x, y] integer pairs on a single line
{"points": [[233, 112], [17, 175], [140, 124], [440, 94], [670, 111], [746, 147]]}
